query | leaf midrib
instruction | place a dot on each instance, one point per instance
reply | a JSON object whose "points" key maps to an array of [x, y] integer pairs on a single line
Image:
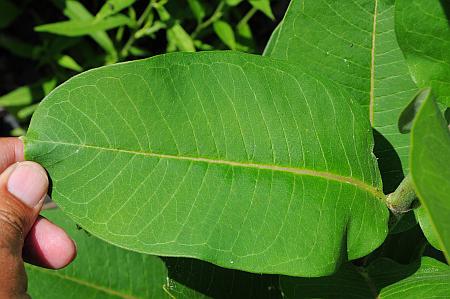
{"points": [[297, 171], [86, 284], [372, 65]]}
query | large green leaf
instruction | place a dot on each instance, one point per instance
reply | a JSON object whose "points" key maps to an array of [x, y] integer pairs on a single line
{"points": [[354, 44], [105, 271], [382, 279], [430, 170], [423, 32], [236, 159]]}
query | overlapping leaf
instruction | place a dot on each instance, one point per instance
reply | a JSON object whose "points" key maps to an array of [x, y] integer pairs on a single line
{"points": [[354, 44], [99, 271], [239, 160], [430, 170], [383, 279], [102, 270], [423, 32]]}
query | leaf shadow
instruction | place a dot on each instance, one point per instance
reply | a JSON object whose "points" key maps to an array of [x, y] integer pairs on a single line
{"points": [[389, 163], [218, 282], [446, 7]]}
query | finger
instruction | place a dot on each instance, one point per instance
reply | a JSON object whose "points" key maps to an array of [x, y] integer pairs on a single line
{"points": [[11, 150], [48, 245], [23, 187]]}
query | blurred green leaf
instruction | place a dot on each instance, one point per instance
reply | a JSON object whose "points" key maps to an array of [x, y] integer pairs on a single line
{"points": [[232, 2], [430, 171], [74, 10], [19, 48], [18, 132], [263, 6], [8, 13], [178, 37], [68, 62], [113, 6], [203, 46], [225, 32], [85, 27], [197, 9], [132, 13], [136, 51], [157, 25], [26, 112], [244, 38], [26, 95]]}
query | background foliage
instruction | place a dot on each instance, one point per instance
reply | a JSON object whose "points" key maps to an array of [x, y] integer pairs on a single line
{"points": [[373, 48], [43, 43]]}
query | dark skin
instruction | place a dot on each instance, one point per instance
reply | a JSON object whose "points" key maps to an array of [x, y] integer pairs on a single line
{"points": [[24, 235]]}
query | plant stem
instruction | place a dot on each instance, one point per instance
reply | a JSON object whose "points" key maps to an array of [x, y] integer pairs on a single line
{"points": [[401, 199], [247, 17], [139, 23], [214, 17]]}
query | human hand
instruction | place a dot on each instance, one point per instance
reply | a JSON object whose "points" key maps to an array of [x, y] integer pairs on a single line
{"points": [[24, 235]]}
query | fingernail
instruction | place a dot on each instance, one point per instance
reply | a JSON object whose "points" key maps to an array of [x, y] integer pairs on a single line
{"points": [[28, 182]]}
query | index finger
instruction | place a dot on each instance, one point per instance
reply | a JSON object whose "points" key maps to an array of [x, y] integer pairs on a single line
{"points": [[11, 151]]}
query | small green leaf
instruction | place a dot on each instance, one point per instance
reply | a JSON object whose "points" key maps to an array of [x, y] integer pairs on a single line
{"points": [[226, 34], [180, 39], [383, 279], [8, 13], [83, 27], [26, 112], [69, 63], [74, 10], [136, 51], [26, 95], [221, 156], [112, 7], [232, 2], [197, 9], [244, 38], [423, 33], [263, 6], [430, 170]]}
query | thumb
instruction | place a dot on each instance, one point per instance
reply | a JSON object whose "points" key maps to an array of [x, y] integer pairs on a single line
{"points": [[23, 187]]}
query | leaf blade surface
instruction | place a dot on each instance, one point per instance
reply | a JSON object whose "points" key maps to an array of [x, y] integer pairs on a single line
{"points": [[423, 33], [220, 168], [102, 270], [430, 170], [383, 278], [354, 44]]}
